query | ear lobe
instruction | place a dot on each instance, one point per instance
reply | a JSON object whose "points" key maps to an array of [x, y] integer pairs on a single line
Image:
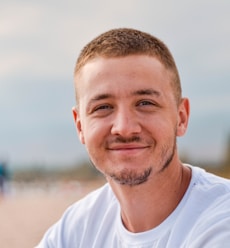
{"points": [[78, 126], [183, 117]]}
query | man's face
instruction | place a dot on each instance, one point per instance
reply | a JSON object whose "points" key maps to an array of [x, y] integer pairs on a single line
{"points": [[128, 117]]}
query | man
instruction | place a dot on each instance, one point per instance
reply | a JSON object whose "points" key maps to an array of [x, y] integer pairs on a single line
{"points": [[3, 177], [129, 112]]}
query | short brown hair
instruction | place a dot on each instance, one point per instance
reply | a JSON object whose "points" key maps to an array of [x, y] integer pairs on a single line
{"points": [[125, 41]]}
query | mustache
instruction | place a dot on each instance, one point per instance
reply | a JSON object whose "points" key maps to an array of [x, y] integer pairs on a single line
{"points": [[123, 140]]}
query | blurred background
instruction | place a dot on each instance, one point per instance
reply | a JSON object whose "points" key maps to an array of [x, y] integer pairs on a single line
{"points": [[40, 42]]}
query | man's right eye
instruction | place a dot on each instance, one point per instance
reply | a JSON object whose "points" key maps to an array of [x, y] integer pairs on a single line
{"points": [[102, 107]]}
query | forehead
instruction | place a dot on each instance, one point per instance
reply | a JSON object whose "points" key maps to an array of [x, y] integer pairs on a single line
{"points": [[134, 60], [121, 74]]}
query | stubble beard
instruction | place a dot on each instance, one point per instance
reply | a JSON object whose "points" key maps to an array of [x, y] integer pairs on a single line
{"points": [[131, 177]]}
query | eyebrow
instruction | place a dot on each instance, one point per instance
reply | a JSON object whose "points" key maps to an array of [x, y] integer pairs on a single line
{"points": [[149, 92], [138, 92], [98, 97], [101, 97]]}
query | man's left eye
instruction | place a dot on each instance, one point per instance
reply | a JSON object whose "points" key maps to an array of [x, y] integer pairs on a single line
{"points": [[143, 103]]}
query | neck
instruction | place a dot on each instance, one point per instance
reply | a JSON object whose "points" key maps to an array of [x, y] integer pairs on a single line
{"points": [[145, 206]]}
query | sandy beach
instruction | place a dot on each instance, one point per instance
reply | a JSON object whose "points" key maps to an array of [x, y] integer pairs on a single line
{"points": [[28, 210]]}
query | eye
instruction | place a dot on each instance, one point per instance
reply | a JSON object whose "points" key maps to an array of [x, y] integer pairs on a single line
{"points": [[146, 103], [102, 110], [147, 106], [103, 107]]}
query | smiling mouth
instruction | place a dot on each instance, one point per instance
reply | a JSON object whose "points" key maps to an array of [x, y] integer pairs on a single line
{"points": [[127, 148]]}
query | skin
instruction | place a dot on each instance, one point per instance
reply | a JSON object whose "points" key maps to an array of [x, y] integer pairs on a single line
{"points": [[128, 119]]}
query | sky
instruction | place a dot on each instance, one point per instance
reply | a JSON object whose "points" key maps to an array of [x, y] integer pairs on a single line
{"points": [[39, 45]]}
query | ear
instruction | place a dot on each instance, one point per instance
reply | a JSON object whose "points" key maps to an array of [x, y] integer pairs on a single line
{"points": [[183, 117], [78, 126]]}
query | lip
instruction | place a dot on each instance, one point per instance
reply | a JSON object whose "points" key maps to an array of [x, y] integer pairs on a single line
{"points": [[127, 148]]}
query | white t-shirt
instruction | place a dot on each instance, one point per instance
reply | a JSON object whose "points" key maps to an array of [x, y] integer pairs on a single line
{"points": [[201, 220]]}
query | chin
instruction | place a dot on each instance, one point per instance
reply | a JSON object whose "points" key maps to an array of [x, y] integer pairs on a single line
{"points": [[130, 177]]}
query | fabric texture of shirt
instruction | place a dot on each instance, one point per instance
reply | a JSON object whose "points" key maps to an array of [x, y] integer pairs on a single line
{"points": [[201, 220]]}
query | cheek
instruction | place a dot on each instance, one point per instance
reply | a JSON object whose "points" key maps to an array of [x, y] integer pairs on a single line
{"points": [[158, 124], [162, 128], [94, 132]]}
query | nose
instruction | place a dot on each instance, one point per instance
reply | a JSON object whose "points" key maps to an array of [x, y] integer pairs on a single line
{"points": [[125, 123]]}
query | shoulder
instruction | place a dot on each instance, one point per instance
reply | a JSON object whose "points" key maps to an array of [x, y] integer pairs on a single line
{"points": [[206, 190], [82, 218], [92, 203], [209, 199], [212, 229], [208, 182]]}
